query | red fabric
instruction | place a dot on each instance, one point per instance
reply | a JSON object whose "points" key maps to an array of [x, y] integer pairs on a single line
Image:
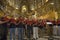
{"points": [[13, 20], [5, 18], [35, 21], [58, 22], [54, 22], [29, 22], [26, 21], [21, 19], [43, 22]]}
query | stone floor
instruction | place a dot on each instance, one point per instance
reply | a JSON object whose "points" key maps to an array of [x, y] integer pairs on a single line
{"points": [[42, 38]]}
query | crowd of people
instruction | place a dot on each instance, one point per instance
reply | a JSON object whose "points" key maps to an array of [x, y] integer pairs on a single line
{"points": [[22, 25]]}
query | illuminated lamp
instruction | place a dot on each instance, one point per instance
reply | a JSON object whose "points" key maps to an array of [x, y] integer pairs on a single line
{"points": [[24, 8], [16, 7], [52, 3]]}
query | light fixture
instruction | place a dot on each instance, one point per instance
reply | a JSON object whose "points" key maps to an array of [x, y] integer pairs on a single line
{"points": [[15, 18], [46, 0], [52, 3], [32, 7], [16, 7], [24, 8]]}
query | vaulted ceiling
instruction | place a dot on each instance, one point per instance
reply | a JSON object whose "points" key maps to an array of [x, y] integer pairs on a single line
{"points": [[41, 6]]}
